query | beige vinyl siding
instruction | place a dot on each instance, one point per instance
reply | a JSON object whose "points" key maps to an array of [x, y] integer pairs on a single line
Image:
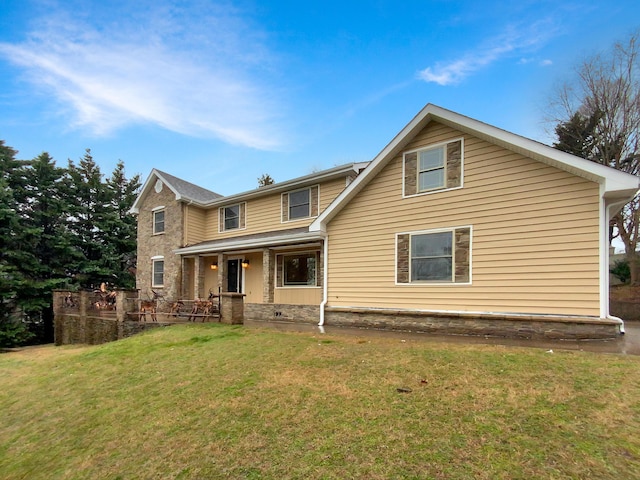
{"points": [[265, 214], [534, 246], [195, 225], [253, 278], [298, 296]]}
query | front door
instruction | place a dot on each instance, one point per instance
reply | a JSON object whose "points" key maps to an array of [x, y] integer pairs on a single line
{"points": [[234, 276]]}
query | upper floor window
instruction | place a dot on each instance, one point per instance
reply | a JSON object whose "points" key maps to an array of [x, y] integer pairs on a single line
{"points": [[232, 217], [300, 204], [158, 221], [433, 168]]}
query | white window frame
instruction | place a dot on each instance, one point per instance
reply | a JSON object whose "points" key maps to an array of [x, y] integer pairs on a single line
{"points": [[308, 190], [222, 226], [315, 253], [154, 212], [154, 261], [417, 172], [429, 283]]}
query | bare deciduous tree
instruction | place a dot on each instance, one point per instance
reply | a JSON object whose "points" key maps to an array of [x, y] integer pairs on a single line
{"points": [[597, 117]]}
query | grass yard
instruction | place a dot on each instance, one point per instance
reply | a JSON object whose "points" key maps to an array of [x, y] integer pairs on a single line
{"points": [[216, 401]]}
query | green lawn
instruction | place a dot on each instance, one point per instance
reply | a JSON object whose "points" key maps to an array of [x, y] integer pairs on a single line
{"points": [[215, 401]]}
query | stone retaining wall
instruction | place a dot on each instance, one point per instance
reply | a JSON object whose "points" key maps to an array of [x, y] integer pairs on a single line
{"points": [[291, 313], [531, 327]]}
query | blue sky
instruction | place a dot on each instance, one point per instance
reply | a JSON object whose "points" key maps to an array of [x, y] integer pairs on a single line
{"points": [[219, 93]]}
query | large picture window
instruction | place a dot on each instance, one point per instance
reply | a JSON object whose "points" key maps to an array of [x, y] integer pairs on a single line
{"points": [[299, 269], [158, 273], [434, 256]]}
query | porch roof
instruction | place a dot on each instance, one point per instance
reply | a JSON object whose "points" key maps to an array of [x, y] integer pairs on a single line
{"points": [[256, 240]]}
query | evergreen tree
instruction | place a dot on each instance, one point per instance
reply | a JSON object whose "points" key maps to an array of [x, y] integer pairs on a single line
{"points": [[121, 228]]}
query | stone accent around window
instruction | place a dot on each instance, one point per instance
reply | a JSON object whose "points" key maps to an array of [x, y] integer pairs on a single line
{"points": [[285, 207], [313, 199], [411, 173], [454, 164], [462, 244], [402, 267]]}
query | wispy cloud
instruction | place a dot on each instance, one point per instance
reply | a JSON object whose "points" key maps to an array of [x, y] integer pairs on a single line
{"points": [[512, 42], [199, 74]]}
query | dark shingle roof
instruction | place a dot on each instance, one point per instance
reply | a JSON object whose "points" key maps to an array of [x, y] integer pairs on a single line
{"points": [[187, 190]]}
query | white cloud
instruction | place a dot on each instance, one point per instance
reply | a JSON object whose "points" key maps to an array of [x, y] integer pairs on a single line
{"points": [[203, 77], [513, 41], [546, 63]]}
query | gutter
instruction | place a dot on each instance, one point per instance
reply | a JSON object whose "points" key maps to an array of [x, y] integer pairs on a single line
{"points": [[609, 209]]}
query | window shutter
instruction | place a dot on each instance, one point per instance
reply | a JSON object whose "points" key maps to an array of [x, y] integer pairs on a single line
{"points": [[221, 224], [454, 164], [313, 201], [463, 247], [285, 207], [319, 268], [242, 221], [411, 173], [402, 267]]}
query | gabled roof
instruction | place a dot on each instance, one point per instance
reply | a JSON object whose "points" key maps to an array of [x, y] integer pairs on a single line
{"points": [[189, 192], [615, 184], [182, 189], [299, 182]]}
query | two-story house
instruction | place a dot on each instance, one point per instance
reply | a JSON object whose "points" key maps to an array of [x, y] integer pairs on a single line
{"points": [[455, 226]]}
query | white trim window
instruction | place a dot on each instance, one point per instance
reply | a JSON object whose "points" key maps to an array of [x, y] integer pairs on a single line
{"points": [[433, 168], [299, 204], [157, 272], [434, 256], [232, 217], [158, 220], [298, 269]]}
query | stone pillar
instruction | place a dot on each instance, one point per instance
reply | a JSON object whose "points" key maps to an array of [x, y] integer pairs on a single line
{"points": [[222, 272], [268, 271], [232, 308], [199, 277]]}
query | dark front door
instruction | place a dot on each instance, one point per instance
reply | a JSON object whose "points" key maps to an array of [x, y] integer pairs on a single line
{"points": [[233, 276]]}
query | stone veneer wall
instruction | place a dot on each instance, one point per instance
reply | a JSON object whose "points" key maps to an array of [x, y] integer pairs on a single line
{"points": [[522, 326], [150, 245], [274, 311]]}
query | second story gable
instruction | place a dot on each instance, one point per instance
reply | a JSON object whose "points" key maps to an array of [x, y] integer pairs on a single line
{"points": [[198, 215]]}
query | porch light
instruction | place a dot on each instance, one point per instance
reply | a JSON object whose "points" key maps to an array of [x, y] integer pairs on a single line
{"points": [[245, 263], [213, 266]]}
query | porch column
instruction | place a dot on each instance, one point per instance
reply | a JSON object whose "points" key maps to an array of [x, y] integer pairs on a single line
{"points": [[199, 277], [222, 272], [268, 270]]}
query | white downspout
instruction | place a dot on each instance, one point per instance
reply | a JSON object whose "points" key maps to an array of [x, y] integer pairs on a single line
{"points": [[325, 277], [605, 264]]}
